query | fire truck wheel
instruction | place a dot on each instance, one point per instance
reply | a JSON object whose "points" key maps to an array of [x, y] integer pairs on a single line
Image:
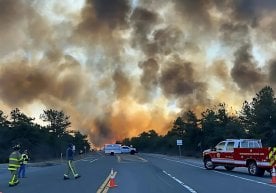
{"points": [[208, 164], [229, 168], [254, 170], [269, 171]]}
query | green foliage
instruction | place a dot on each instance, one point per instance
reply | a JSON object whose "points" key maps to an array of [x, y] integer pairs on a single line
{"points": [[42, 142], [58, 121], [19, 119], [3, 120], [257, 119], [80, 141], [259, 116], [147, 141]]}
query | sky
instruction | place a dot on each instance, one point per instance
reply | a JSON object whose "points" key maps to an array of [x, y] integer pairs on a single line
{"points": [[121, 67]]}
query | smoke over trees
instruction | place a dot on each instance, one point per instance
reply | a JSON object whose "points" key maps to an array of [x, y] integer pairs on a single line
{"points": [[256, 119]]}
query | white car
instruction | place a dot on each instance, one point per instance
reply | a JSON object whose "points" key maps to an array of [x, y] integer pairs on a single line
{"points": [[127, 149], [112, 149]]}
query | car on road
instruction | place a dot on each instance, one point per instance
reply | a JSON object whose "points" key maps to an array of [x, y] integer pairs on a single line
{"points": [[128, 149], [112, 149], [118, 149], [233, 153]]}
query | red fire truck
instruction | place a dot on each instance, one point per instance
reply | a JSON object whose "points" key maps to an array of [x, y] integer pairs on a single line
{"points": [[233, 153]]}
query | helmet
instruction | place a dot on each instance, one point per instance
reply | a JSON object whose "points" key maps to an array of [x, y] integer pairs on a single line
{"points": [[16, 147]]}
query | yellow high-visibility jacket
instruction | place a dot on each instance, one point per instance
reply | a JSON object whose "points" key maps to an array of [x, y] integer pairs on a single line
{"points": [[25, 158], [14, 160]]}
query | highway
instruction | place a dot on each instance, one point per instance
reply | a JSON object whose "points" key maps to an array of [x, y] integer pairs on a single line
{"points": [[147, 173]]}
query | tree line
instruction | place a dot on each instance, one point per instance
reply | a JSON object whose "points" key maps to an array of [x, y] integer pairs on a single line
{"points": [[42, 142], [256, 119]]}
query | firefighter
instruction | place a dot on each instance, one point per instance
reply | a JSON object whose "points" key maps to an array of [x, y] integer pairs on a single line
{"points": [[14, 163], [70, 165], [23, 164]]}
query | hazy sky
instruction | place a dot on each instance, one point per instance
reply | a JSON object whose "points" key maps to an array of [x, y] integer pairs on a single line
{"points": [[120, 67]]}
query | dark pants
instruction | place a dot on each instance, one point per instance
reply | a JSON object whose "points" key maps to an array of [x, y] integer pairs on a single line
{"points": [[21, 173]]}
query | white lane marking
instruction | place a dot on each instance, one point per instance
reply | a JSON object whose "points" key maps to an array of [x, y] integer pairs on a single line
{"points": [[88, 159], [93, 160], [242, 178], [85, 160], [118, 158], [142, 159], [180, 182], [186, 163]]}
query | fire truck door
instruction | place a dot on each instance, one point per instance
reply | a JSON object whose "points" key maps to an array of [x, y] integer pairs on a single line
{"points": [[229, 152], [224, 152]]}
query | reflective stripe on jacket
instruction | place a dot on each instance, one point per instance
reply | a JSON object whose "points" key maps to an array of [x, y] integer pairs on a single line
{"points": [[25, 158], [14, 160]]}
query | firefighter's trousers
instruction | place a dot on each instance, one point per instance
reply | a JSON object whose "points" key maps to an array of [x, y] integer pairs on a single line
{"points": [[14, 180], [71, 169]]}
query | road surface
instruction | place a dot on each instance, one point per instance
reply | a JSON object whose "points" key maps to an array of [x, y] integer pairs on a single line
{"points": [[147, 173]]}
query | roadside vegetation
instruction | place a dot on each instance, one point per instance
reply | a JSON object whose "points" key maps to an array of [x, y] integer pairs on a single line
{"points": [[256, 119], [43, 142]]}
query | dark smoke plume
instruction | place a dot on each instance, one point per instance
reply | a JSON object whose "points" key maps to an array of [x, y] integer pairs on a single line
{"points": [[245, 72]]}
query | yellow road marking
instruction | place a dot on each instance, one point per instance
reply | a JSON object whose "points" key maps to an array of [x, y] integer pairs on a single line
{"points": [[102, 187], [107, 187]]}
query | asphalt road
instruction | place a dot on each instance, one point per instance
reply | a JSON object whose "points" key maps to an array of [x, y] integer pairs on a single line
{"points": [[192, 173], [147, 173]]}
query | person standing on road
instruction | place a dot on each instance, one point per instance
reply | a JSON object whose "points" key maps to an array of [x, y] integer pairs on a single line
{"points": [[25, 159], [70, 165], [14, 163]]}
